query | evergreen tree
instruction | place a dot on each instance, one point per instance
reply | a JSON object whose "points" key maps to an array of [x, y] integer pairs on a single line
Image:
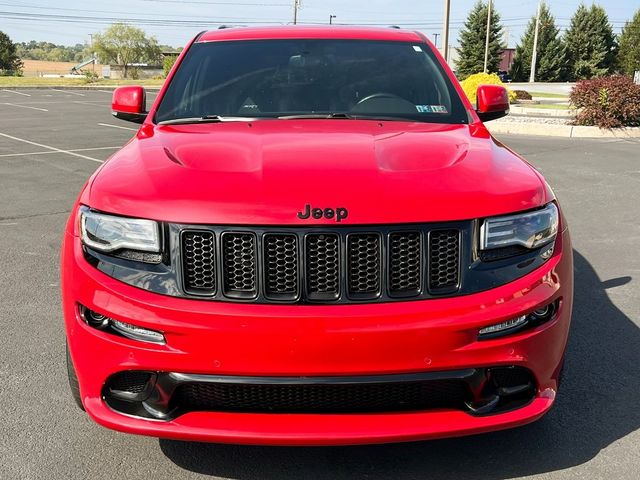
{"points": [[590, 43], [10, 63], [550, 64], [472, 42], [629, 52]]}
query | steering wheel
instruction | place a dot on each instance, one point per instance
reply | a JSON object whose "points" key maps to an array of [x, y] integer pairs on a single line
{"points": [[379, 95]]}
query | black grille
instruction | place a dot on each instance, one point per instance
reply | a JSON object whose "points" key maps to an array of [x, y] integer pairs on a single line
{"points": [[510, 376], [321, 398], [323, 266], [130, 381], [346, 264], [444, 254], [405, 267], [281, 265], [199, 266], [364, 264], [239, 264]]}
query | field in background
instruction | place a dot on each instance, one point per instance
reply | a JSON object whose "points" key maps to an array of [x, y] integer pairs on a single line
{"points": [[72, 82], [36, 68]]}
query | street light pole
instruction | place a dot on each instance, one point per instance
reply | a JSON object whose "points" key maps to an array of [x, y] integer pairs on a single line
{"points": [[486, 43], [331, 17], [445, 30], [534, 56], [435, 42], [296, 6]]}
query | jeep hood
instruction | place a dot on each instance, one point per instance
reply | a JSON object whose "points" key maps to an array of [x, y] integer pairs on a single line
{"points": [[264, 172]]}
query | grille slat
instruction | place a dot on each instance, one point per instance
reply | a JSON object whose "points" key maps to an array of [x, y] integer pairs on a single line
{"points": [[332, 265], [364, 264], [405, 264], [281, 265], [444, 253], [239, 264], [323, 266], [199, 262], [320, 398]]}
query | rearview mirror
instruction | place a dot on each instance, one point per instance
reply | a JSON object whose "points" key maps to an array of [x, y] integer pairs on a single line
{"points": [[130, 104], [492, 102]]}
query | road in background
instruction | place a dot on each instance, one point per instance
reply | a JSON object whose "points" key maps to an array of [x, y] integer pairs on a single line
{"points": [[540, 87], [51, 141]]}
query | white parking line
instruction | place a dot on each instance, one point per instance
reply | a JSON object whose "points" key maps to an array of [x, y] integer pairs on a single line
{"points": [[50, 152], [68, 92], [48, 147], [91, 103], [17, 93], [117, 126], [25, 106]]}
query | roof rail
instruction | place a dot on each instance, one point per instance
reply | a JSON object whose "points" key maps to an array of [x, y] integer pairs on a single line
{"points": [[394, 26], [223, 27]]}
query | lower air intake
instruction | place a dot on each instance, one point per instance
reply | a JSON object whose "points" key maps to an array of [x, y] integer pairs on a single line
{"points": [[334, 398]]}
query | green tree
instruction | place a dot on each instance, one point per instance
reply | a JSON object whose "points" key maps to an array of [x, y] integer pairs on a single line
{"points": [[590, 44], [123, 44], [10, 63], [472, 41], [629, 50], [550, 64]]}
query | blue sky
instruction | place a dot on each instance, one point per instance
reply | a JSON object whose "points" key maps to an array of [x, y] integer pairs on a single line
{"points": [[173, 22]]}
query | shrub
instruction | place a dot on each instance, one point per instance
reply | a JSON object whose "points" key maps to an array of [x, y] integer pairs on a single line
{"points": [[522, 95], [470, 85], [607, 102], [167, 63], [90, 76]]}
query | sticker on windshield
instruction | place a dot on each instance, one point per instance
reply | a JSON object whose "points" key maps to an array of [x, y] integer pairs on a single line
{"points": [[432, 109], [417, 48]]}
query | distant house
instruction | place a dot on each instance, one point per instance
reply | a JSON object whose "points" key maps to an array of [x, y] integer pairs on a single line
{"points": [[507, 59]]}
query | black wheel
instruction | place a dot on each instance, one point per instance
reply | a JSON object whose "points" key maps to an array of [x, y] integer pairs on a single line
{"points": [[73, 381]]}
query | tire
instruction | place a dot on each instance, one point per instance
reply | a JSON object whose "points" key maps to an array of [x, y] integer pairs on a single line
{"points": [[73, 381]]}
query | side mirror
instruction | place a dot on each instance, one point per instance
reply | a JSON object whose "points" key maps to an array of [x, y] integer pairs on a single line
{"points": [[492, 102], [129, 103]]}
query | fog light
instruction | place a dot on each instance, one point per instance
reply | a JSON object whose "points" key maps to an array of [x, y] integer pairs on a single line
{"points": [[136, 333], [501, 327], [95, 319], [102, 322], [546, 254], [532, 320], [542, 312]]}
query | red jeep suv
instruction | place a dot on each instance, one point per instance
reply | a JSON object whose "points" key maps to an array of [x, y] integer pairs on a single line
{"points": [[313, 239]]}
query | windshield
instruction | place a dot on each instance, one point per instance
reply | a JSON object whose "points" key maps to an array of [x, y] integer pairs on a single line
{"points": [[311, 78]]}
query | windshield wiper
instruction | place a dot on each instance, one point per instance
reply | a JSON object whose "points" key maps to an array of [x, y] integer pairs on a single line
{"points": [[348, 116], [304, 116], [206, 119]]}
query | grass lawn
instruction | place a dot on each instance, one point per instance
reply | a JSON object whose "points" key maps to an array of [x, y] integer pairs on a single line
{"points": [[548, 106], [72, 82], [548, 95]]}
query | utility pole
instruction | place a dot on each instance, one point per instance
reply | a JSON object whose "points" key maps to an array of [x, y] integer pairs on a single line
{"points": [[445, 30], [486, 43], [331, 17], [435, 42], [534, 56], [296, 7]]}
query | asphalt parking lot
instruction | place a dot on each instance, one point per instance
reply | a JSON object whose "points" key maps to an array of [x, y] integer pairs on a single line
{"points": [[52, 140]]}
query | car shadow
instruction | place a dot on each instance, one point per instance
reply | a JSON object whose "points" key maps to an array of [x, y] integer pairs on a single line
{"points": [[597, 405]]}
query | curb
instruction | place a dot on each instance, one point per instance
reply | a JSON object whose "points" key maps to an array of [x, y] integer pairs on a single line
{"points": [[566, 131], [542, 112]]}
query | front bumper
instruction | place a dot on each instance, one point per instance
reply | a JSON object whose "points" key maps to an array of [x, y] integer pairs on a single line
{"points": [[230, 339]]}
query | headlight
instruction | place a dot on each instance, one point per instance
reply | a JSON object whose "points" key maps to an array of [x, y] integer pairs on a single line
{"points": [[530, 230], [108, 233]]}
